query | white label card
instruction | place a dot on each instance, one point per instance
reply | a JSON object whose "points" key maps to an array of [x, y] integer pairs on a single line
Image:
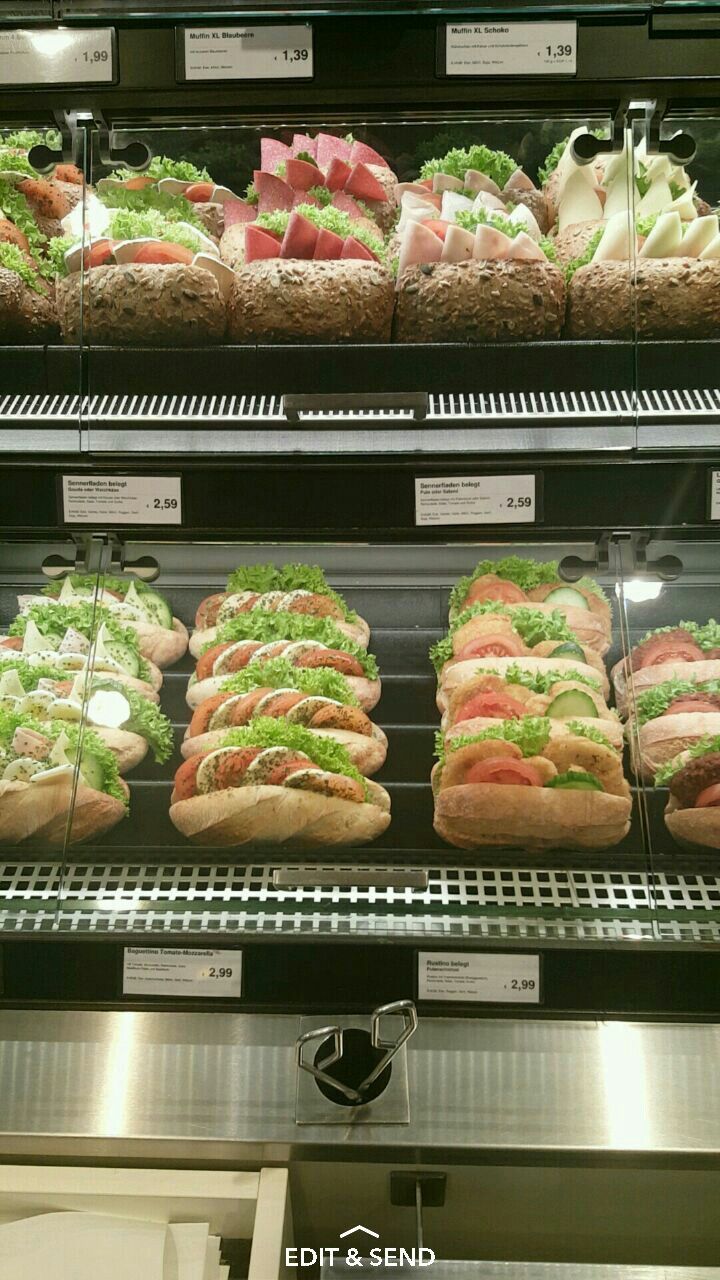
{"points": [[64, 55], [475, 500], [478, 978], [163, 971], [510, 48], [248, 53], [92, 499], [714, 495]]}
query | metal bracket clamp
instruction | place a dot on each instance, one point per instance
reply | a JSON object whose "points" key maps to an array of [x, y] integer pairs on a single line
{"points": [[586, 147], [44, 158], [681, 148], [319, 1070], [407, 1011], [402, 1008], [134, 154]]}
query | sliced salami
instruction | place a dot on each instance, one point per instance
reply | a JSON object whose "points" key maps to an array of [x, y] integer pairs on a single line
{"points": [[259, 244], [238, 211], [301, 176], [330, 148], [364, 185], [362, 154], [337, 174], [345, 203], [329, 247], [300, 238], [273, 153], [303, 142], [273, 193], [353, 248]]}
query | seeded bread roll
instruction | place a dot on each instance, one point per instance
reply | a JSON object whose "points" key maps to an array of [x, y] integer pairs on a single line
{"points": [[266, 815], [143, 305], [25, 316], [666, 297], [474, 301], [294, 300]]}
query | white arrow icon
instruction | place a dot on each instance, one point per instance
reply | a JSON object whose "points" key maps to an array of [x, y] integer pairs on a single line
{"points": [[352, 1230]]}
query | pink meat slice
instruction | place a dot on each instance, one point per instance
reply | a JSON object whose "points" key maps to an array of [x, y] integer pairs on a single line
{"points": [[330, 148], [259, 244], [524, 249], [419, 245], [458, 245], [273, 193], [364, 185], [303, 197], [328, 247], [303, 142], [300, 237], [301, 176], [353, 248], [490, 243], [346, 204], [238, 211], [273, 153], [362, 154], [337, 174]]}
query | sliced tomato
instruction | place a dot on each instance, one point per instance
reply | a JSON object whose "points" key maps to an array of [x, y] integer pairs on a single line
{"points": [[491, 706], [499, 645], [709, 798], [162, 253], [186, 777], [203, 714], [682, 708], [662, 649], [99, 254], [283, 770], [137, 184], [491, 588], [438, 226], [199, 192], [511, 773], [232, 767]]}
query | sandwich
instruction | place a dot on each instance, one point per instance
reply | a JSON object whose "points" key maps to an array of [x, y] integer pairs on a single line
{"points": [[45, 768], [276, 783], [161, 637], [303, 640], [127, 723], [514, 580], [171, 187], [690, 651], [532, 784], [671, 717], [565, 696], [82, 637], [692, 814], [319, 699], [485, 633], [294, 588]]}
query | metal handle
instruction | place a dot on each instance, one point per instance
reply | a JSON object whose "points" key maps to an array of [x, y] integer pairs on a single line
{"points": [[347, 878], [382, 401], [407, 1011], [319, 1070]]}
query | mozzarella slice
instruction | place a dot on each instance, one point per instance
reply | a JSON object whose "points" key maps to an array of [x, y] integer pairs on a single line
{"points": [[224, 274]]}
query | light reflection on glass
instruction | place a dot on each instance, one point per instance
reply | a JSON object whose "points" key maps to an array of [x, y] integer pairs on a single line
{"points": [[625, 1084], [114, 1093]]}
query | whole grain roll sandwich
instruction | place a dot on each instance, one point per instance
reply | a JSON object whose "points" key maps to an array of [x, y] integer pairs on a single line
{"points": [[175, 187], [276, 783], [669, 718], [318, 698], [531, 784], [689, 651], [162, 638], [692, 814]]}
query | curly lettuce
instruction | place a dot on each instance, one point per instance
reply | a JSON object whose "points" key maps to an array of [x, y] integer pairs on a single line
{"points": [[13, 259], [330, 219], [290, 577], [531, 734], [164, 167], [278, 673], [266, 626], [496, 165], [655, 701], [268, 732], [704, 747]]}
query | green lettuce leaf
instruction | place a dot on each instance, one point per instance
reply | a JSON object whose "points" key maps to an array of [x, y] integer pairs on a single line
{"points": [[268, 732], [702, 748], [543, 681], [654, 702], [332, 220], [265, 626], [497, 165], [13, 259], [531, 734], [150, 200], [706, 635], [589, 731], [290, 577], [15, 207], [30, 676], [146, 718], [525, 574], [278, 673], [164, 167], [126, 224], [586, 256]]}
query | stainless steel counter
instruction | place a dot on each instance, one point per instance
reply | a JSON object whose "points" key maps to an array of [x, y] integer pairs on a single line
{"points": [[217, 1087]]}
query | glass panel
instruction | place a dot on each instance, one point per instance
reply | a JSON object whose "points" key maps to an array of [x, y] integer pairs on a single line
{"points": [[231, 853], [33, 362], [190, 335]]}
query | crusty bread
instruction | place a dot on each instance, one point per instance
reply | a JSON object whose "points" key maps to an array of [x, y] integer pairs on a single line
{"points": [[293, 300], [477, 301], [359, 632], [25, 315], [599, 611], [367, 754], [474, 816], [128, 748], [140, 304], [456, 673], [366, 691], [662, 739], [161, 645], [626, 692], [574, 240], [654, 297], [143, 687], [694, 826], [280, 816], [38, 812]]}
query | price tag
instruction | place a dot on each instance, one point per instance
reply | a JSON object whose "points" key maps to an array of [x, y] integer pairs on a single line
{"points": [[475, 500], [246, 53], [103, 499], [714, 495], [510, 48], [61, 55], [162, 971], [479, 978]]}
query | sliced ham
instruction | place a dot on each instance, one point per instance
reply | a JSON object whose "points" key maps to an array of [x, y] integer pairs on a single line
{"points": [[303, 142], [418, 246], [519, 181], [238, 211], [328, 246], [414, 188], [300, 238], [273, 193], [260, 244], [486, 200], [345, 203], [459, 244], [301, 176], [452, 203], [524, 249], [329, 148], [353, 248], [337, 174], [273, 153], [444, 182], [361, 154], [364, 185], [491, 243], [477, 181]]}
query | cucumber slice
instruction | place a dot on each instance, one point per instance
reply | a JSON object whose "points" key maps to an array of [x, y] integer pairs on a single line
{"points": [[568, 650], [567, 596], [575, 780], [123, 655], [91, 770], [157, 609], [572, 702]]}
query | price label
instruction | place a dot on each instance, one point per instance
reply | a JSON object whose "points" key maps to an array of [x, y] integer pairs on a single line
{"points": [[475, 500], [510, 48], [479, 978], [246, 53], [105, 499], [714, 495], [162, 971], [61, 55]]}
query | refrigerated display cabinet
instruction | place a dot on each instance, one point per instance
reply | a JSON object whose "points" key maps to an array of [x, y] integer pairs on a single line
{"points": [[582, 1116]]}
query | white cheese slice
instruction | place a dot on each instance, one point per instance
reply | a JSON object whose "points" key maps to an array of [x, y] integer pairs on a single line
{"points": [[96, 219], [685, 204], [699, 235], [618, 240], [580, 203], [665, 238], [74, 642], [622, 164], [619, 199], [525, 218], [711, 251], [35, 642], [224, 274], [452, 203], [11, 685], [657, 199]]}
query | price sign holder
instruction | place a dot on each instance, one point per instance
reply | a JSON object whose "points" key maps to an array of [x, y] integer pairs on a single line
{"points": [[238, 53], [713, 495], [112, 500], [35, 57], [479, 499], [182, 973], [479, 977], [498, 48]]}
